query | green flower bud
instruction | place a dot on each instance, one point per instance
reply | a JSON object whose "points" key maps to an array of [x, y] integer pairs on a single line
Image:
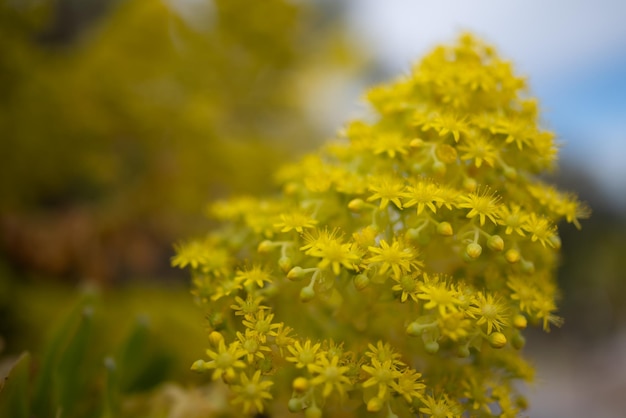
{"points": [[528, 267], [495, 243], [356, 205], [313, 411], [473, 250], [296, 273], [439, 168], [463, 351], [295, 405], [470, 184], [497, 340], [361, 281], [512, 255], [445, 229], [520, 321], [431, 347], [414, 329], [265, 246], [510, 173], [375, 404], [284, 263], [307, 294], [518, 341]]}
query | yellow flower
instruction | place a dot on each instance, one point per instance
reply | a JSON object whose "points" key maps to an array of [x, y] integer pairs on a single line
{"points": [[408, 285], [384, 352], [386, 189], [540, 229], [397, 257], [513, 218], [422, 194], [390, 143], [261, 325], [256, 275], [251, 342], [439, 294], [252, 392], [408, 385], [454, 325], [448, 123], [191, 253], [483, 204], [440, 407], [303, 355], [330, 374], [224, 361], [382, 374], [206, 255], [336, 254], [248, 307], [477, 148], [297, 220], [490, 310]]}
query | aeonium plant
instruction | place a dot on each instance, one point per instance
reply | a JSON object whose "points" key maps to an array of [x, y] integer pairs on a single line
{"points": [[397, 270]]}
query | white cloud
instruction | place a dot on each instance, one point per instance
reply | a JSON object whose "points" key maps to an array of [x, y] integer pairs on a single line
{"points": [[542, 36]]}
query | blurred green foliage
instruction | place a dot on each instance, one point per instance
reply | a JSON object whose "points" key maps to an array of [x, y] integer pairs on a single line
{"points": [[94, 355], [113, 140]]}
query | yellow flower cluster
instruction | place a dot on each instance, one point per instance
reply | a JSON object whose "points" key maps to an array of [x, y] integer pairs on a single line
{"points": [[400, 265]]}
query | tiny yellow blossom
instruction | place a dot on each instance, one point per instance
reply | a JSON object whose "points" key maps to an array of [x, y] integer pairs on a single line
{"points": [[386, 190], [398, 257], [330, 375], [484, 204], [252, 392]]}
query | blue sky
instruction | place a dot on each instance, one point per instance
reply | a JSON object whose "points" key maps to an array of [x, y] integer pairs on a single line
{"points": [[573, 53]]}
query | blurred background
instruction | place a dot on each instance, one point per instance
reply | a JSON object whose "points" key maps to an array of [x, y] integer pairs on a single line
{"points": [[121, 119]]}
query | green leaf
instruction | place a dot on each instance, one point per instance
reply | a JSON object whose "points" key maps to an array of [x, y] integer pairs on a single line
{"points": [[14, 400]]}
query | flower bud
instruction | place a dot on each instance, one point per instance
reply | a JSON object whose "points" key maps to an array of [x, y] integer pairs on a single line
{"points": [[375, 404], [414, 329], [520, 321], [555, 240], [445, 229], [463, 351], [495, 243], [518, 341], [215, 338], [473, 250], [307, 294], [295, 273], [413, 234], [512, 255], [313, 411], [510, 173], [446, 153], [265, 246], [198, 366], [439, 168], [497, 340], [356, 205], [470, 184], [528, 267], [416, 143], [431, 347], [284, 263], [295, 405], [361, 281], [300, 384], [290, 188]]}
